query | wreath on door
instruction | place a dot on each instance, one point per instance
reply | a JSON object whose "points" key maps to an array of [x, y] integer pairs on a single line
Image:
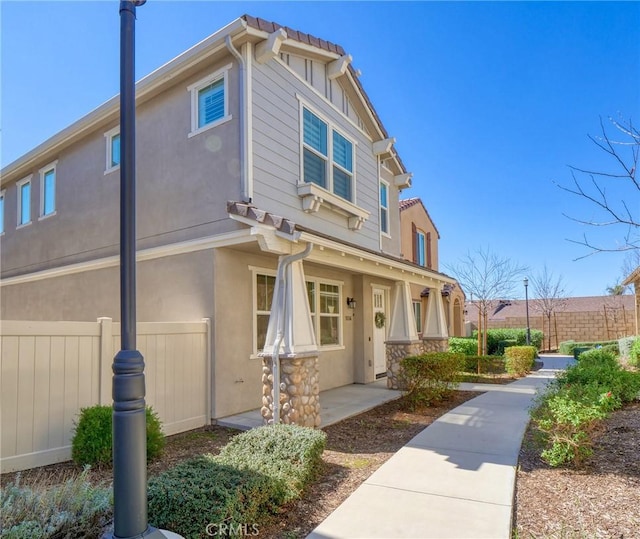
{"points": [[379, 319]]}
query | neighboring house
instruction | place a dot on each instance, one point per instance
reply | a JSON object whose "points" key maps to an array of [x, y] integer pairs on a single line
{"points": [[255, 144], [592, 318], [419, 242], [634, 279]]}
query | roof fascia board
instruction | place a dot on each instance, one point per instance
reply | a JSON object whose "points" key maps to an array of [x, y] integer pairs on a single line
{"points": [[103, 113]]}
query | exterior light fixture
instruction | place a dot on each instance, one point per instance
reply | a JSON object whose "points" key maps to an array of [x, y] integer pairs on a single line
{"points": [[351, 303]]}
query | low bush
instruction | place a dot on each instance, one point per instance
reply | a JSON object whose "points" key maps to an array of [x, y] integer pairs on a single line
{"points": [[485, 364], [568, 413], [499, 335], [430, 377], [634, 353], [92, 440], [463, 345], [73, 509], [625, 344], [254, 474], [567, 347], [289, 453], [519, 360]]}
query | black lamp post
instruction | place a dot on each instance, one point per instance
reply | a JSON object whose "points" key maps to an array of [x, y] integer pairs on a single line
{"points": [[129, 414], [526, 303]]}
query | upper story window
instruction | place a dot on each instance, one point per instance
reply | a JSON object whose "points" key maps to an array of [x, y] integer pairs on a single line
{"points": [[209, 101], [2, 211], [328, 159], [420, 248], [24, 201], [428, 248], [112, 139], [48, 190], [384, 207]]}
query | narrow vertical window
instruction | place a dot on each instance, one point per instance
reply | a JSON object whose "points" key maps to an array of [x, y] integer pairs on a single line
{"points": [[112, 139], [429, 263], [47, 191], [24, 201], [384, 208], [315, 149], [420, 244], [2, 212], [329, 314], [342, 166], [265, 285], [417, 314]]}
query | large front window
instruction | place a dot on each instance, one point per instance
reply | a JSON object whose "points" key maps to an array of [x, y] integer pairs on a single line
{"points": [[324, 304], [327, 156]]}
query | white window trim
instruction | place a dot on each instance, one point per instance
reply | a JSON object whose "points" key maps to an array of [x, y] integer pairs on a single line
{"points": [[108, 136], [314, 196], [255, 271], [194, 88], [19, 197], [420, 232], [417, 303], [4, 208], [386, 234], [51, 166]]}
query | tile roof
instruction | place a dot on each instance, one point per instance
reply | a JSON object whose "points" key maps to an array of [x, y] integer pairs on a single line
{"points": [[407, 203]]}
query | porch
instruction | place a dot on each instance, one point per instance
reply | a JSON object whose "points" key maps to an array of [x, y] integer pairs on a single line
{"points": [[335, 405]]}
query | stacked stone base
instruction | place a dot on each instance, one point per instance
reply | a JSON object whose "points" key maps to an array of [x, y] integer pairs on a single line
{"points": [[299, 391], [397, 351]]}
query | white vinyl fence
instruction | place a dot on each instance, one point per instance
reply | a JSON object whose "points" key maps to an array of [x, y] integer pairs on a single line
{"points": [[50, 370]]}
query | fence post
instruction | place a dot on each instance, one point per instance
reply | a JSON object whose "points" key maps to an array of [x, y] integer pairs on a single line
{"points": [[106, 359], [209, 370]]}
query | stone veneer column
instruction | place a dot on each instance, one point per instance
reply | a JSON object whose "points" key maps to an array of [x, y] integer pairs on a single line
{"points": [[396, 352], [434, 344], [299, 390]]}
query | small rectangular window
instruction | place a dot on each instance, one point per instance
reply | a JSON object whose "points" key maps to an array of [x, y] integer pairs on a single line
{"points": [[265, 285], [2, 212], [384, 208], [421, 248], [47, 191], [112, 139], [209, 101], [24, 201], [329, 314], [417, 314]]}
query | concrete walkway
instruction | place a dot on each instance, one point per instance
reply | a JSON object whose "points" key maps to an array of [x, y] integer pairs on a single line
{"points": [[455, 479]]}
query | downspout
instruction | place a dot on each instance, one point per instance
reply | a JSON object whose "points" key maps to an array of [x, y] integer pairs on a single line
{"points": [[283, 265], [242, 76]]}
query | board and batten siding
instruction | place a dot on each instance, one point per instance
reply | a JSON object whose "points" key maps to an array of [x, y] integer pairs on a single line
{"points": [[276, 156], [49, 371]]}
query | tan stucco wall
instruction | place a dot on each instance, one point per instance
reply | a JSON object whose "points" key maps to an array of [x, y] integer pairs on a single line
{"points": [[416, 214]]}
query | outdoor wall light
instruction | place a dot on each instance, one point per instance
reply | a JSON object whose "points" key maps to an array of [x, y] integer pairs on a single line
{"points": [[351, 303]]}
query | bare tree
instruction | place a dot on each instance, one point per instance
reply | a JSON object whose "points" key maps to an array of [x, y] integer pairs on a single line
{"points": [[487, 278], [549, 297], [624, 149]]}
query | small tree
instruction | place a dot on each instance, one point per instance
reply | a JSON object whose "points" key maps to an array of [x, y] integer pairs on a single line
{"points": [[549, 297], [487, 278]]}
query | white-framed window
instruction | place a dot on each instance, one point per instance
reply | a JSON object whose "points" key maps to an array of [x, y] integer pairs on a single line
{"points": [[325, 300], [24, 201], [420, 248], [263, 297], [384, 207], [48, 190], [2, 211], [112, 140], [327, 156], [417, 314], [210, 101]]}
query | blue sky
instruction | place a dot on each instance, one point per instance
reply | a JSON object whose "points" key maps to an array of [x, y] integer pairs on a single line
{"points": [[489, 102]]}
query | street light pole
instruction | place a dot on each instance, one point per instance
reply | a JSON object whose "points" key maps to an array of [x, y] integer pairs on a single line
{"points": [[526, 302]]}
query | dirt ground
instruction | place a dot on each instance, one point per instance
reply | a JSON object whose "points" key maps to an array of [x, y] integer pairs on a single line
{"points": [[598, 501]]}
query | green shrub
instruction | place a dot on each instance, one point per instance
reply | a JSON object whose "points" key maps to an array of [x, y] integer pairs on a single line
{"points": [[73, 509], [253, 476], [519, 360], [463, 345], [430, 377], [625, 344], [195, 492], [485, 364], [634, 353], [92, 440], [498, 335], [614, 348], [289, 453], [567, 347]]}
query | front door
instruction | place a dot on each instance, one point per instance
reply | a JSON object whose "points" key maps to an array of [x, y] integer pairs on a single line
{"points": [[379, 333]]}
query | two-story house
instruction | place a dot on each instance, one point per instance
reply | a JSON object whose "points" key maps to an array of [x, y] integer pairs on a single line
{"points": [[256, 144], [419, 240]]}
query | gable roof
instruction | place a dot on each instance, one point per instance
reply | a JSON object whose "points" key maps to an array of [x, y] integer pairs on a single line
{"points": [[407, 203], [251, 28], [633, 278]]}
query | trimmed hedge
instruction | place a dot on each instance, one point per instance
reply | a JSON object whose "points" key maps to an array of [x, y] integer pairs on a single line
{"points": [[497, 336], [566, 347], [93, 437], [463, 345], [485, 364], [431, 377], [519, 360], [253, 476]]}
